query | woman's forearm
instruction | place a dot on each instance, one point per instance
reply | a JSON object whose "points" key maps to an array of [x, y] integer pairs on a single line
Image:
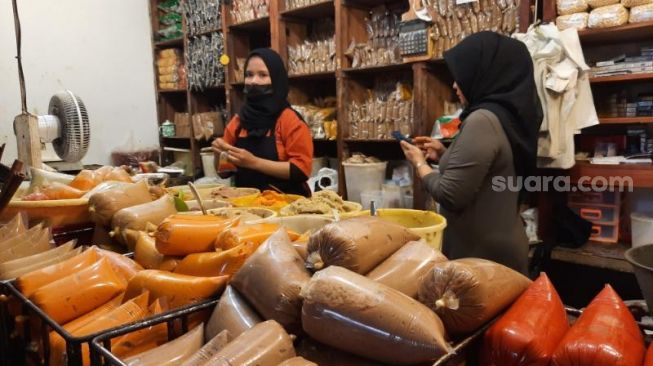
{"points": [[277, 169]]}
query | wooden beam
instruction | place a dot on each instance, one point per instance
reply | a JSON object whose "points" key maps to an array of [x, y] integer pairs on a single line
{"points": [[26, 127]]}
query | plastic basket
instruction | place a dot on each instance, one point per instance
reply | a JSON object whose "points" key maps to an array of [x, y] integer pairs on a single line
{"points": [[427, 224], [29, 347]]}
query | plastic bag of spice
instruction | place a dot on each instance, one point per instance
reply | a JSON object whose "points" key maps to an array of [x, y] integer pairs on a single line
{"points": [[297, 361], [517, 339], [232, 314], [272, 278], [324, 355], [266, 343], [605, 334], [649, 356], [353, 313], [358, 244], [466, 293], [403, 270]]}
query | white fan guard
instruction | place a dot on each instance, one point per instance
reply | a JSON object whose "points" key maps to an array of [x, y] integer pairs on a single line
{"points": [[75, 134]]}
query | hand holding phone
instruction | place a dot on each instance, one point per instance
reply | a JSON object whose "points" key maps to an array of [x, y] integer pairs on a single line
{"points": [[400, 137]]}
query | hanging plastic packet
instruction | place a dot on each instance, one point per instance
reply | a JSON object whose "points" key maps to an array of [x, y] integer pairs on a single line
{"points": [[224, 165], [446, 127]]}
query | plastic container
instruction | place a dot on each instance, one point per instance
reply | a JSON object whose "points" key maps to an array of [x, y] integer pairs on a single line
{"points": [[368, 196], [184, 156], [208, 160], [363, 177], [427, 224], [641, 258], [605, 233], [392, 196], [641, 226], [603, 215]]}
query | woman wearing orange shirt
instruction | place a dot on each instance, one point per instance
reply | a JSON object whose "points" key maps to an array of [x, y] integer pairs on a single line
{"points": [[267, 141]]}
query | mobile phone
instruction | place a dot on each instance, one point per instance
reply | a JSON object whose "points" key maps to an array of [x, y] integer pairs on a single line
{"points": [[400, 137]]}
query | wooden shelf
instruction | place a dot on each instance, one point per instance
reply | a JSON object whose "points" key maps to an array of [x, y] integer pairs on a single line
{"points": [[624, 120], [177, 42], [371, 3], [324, 141], [600, 255], [322, 9], [172, 91], [313, 76], [252, 25], [220, 87], [367, 141], [377, 69], [641, 174], [630, 32], [622, 78], [205, 33]]}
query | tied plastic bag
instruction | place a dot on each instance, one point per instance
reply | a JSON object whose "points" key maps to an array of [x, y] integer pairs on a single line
{"points": [[605, 334], [358, 244], [608, 16], [405, 268], [355, 314], [517, 339], [266, 343], [566, 7], [232, 314], [467, 293], [272, 278], [130, 155], [576, 20]]}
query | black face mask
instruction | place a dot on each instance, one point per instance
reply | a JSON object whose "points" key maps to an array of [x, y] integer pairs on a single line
{"points": [[256, 91]]}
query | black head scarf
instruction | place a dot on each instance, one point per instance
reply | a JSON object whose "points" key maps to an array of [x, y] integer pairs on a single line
{"points": [[259, 115], [495, 72]]}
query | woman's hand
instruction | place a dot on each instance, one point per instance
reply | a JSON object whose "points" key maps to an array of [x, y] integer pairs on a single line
{"points": [[413, 154], [432, 148]]}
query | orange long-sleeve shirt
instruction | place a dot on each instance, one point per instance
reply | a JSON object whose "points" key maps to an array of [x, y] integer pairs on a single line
{"points": [[292, 136]]}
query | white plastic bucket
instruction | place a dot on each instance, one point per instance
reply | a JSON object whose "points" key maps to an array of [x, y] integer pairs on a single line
{"points": [[208, 165], [641, 226], [363, 177]]}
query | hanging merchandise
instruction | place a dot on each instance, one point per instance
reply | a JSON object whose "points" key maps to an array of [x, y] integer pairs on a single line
{"points": [[169, 20], [203, 60], [388, 108], [320, 115], [246, 10], [203, 16], [562, 81], [381, 47], [454, 20], [317, 53]]}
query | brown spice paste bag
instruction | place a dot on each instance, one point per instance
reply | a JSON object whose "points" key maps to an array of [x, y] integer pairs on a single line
{"points": [[267, 344], [232, 314], [297, 361], [358, 244], [405, 268], [466, 293], [355, 314], [324, 355], [210, 348], [271, 280], [103, 205]]}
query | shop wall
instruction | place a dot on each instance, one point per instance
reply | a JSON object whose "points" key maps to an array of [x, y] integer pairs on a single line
{"points": [[98, 49]]}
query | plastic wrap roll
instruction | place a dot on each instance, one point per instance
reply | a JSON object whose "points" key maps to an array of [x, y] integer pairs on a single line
{"points": [[517, 339], [467, 293], [358, 244], [353, 313], [271, 280], [606, 334], [403, 270], [266, 344], [232, 314]]}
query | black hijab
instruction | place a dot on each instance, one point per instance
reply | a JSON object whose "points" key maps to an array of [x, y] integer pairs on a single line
{"points": [[259, 115], [495, 72]]}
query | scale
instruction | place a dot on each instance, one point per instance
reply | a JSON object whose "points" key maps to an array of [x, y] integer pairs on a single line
{"points": [[415, 30]]}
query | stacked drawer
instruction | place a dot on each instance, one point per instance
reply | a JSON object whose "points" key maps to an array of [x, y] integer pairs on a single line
{"points": [[602, 209]]}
